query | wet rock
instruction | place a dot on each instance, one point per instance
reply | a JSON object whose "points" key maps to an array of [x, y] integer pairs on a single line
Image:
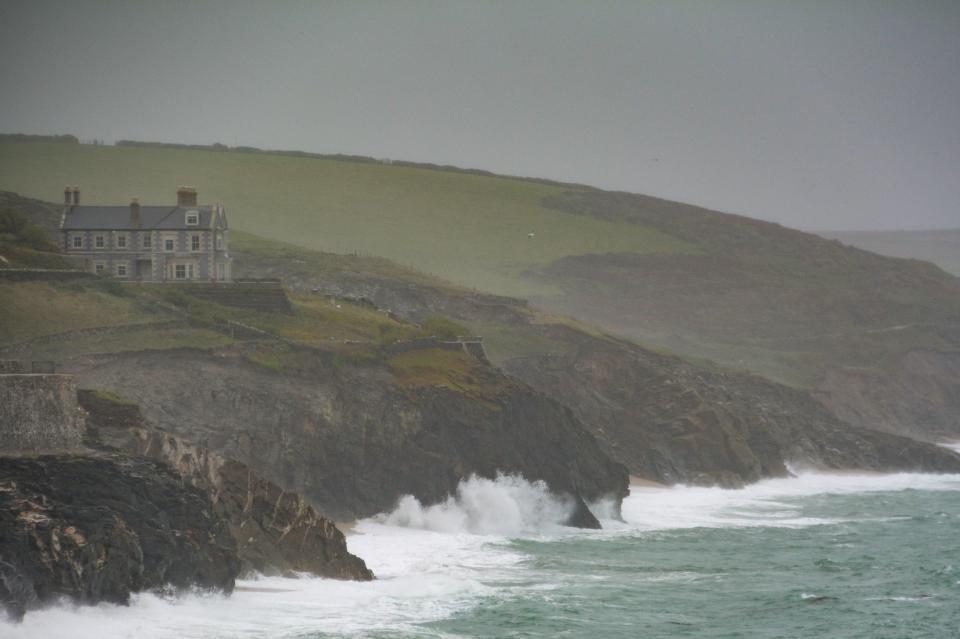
{"points": [[276, 531], [352, 440], [99, 527]]}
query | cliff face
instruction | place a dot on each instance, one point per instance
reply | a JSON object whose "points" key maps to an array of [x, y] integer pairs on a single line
{"points": [[99, 527], [918, 394], [352, 438], [275, 530], [664, 418], [673, 422]]}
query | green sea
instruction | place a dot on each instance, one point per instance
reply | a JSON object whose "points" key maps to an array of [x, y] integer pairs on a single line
{"points": [[838, 556]]}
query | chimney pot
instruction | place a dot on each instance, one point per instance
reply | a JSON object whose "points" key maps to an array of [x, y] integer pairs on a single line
{"points": [[186, 196]]}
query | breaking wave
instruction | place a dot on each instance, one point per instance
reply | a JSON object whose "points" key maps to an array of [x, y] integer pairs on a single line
{"points": [[508, 505], [440, 562]]}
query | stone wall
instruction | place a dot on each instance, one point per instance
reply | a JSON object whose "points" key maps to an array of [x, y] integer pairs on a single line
{"points": [[48, 275], [39, 413]]}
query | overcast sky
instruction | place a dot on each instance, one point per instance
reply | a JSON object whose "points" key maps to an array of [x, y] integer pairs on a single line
{"points": [[818, 115]]}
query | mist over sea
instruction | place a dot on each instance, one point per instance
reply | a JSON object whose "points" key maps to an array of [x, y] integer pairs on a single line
{"points": [[838, 556]]}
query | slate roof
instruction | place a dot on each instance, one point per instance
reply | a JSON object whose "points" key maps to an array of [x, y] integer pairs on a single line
{"points": [[110, 218]]}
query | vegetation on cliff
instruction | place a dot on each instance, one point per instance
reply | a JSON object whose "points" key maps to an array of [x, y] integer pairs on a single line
{"points": [[750, 295]]}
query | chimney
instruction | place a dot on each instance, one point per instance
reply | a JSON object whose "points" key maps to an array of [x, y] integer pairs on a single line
{"points": [[186, 196], [135, 213], [71, 195]]}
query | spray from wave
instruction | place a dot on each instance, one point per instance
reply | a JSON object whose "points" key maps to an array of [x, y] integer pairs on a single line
{"points": [[508, 505]]}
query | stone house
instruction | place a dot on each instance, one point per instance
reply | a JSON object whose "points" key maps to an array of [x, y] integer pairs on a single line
{"points": [[182, 242]]}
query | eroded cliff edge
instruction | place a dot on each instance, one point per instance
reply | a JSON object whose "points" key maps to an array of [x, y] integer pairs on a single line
{"points": [[354, 437], [122, 507], [276, 531], [662, 416], [101, 526]]}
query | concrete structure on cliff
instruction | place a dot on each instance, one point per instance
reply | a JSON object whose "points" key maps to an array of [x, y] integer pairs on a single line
{"points": [[38, 411], [181, 243]]}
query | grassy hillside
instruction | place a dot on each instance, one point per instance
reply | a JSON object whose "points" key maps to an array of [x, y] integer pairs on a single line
{"points": [[470, 229], [753, 295], [942, 247], [748, 294]]}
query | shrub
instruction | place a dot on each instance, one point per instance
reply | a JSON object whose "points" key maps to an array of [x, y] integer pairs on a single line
{"points": [[17, 229]]}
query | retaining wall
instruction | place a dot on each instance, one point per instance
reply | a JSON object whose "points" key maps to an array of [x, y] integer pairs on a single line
{"points": [[38, 414]]}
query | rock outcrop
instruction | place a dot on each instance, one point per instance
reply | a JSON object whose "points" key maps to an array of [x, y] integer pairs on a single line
{"points": [[351, 438], [673, 422], [662, 417], [917, 394], [276, 531], [99, 527]]}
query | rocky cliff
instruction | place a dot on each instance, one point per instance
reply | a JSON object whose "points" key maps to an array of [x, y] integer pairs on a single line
{"points": [[663, 417], [275, 530], [354, 437], [916, 394], [102, 526], [673, 422]]}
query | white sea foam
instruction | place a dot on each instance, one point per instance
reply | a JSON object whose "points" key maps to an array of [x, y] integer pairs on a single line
{"points": [[508, 505], [430, 562], [434, 562], [766, 503]]}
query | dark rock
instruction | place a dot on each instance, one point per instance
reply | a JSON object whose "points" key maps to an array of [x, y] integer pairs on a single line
{"points": [[667, 419], [276, 531], [581, 517], [102, 526], [670, 421], [350, 438]]}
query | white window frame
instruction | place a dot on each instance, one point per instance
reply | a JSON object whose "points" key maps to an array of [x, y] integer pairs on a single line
{"points": [[193, 218], [195, 243], [146, 242], [100, 241], [173, 244], [125, 268], [177, 270], [121, 240], [99, 268], [77, 242], [219, 241]]}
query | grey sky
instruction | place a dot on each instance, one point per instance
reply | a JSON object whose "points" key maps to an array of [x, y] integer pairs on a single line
{"points": [[818, 115]]}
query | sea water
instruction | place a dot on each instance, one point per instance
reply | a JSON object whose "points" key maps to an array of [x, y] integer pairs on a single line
{"points": [[837, 556]]}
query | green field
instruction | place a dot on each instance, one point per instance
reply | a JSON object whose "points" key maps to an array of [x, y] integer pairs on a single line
{"points": [[741, 292], [469, 229]]}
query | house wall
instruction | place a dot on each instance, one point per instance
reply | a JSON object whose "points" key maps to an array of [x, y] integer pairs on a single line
{"points": [[163, 262]]}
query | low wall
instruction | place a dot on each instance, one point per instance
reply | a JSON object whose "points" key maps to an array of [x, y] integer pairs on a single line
{"points": [[47, 275], [39, 413], [259, 295]]}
